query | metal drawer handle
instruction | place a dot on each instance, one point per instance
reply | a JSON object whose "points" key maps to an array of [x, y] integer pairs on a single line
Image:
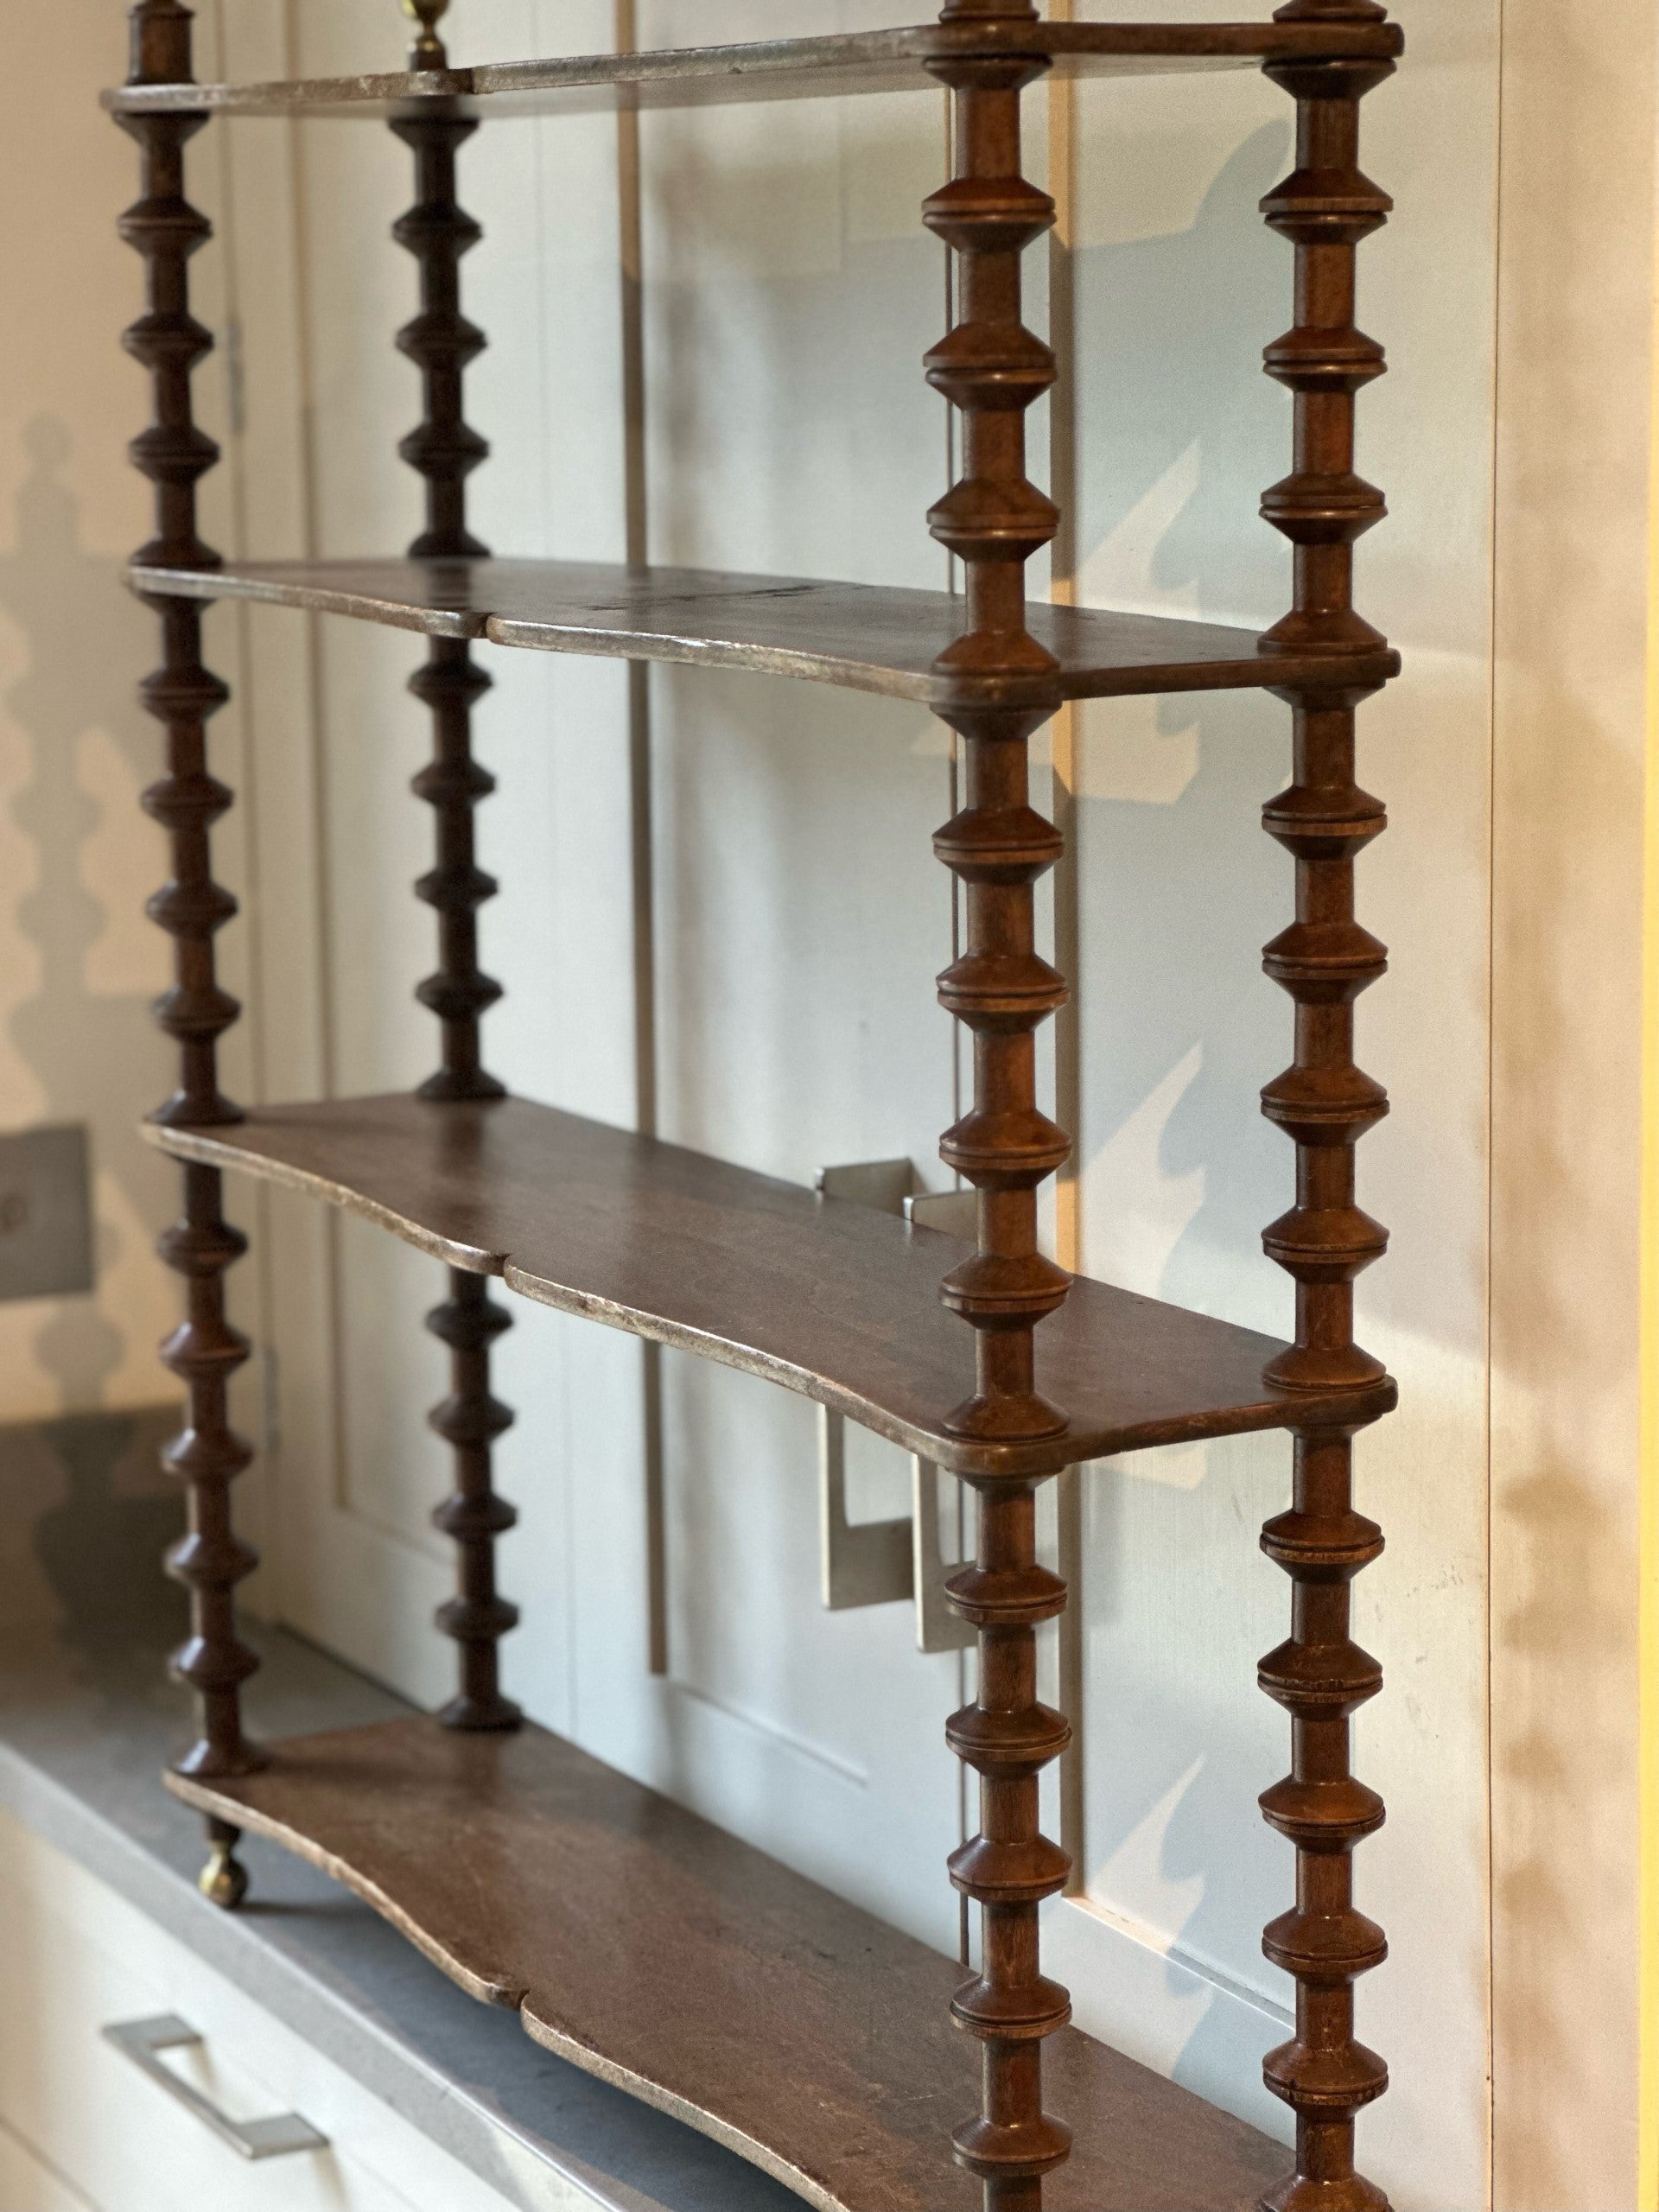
{"points": [[143, 2042]]}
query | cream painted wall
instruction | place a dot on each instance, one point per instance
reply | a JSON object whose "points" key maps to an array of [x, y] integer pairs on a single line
{"points": [[79, 962], [1576, 585], [799, 920]]}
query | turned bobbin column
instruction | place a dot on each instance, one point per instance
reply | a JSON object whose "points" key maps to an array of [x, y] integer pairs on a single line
{"points": [[205, 1351], [1325, 1103], [445, 450], [1001, 686]]}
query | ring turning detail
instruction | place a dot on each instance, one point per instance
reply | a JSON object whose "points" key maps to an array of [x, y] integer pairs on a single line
{"points": [[1002, 687], [1325, 1104], [205, 1351], [444, 451]]}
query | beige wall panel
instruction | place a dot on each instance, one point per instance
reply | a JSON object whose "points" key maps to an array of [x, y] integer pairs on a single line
{"points": [[1574, 419]]}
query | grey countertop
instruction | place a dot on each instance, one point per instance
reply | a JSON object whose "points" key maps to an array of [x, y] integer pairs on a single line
{"points": [[88, 1719]]}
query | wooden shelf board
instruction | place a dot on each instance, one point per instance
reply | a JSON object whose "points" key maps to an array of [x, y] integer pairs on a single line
{"points": [[859, 636], [796, 68], [691, 1970], [827, 1298]]}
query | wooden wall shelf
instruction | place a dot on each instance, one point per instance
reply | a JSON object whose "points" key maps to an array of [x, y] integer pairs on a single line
{"points": [[859, 636], [650, 1948], [836, 1300], [635, 1939], [772, 69]]}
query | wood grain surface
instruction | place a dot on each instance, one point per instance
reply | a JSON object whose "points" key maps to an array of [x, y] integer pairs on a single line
{"points": [[862, 637], [652, 1949], [825, 1297], [796, 68]]}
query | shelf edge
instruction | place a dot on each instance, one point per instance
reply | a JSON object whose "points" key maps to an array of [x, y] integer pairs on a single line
{"points": [[1259, 669], [217, 1148], [892, 60]]}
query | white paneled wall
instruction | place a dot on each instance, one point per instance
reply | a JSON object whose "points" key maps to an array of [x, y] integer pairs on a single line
{"points": [[1179, 286]]}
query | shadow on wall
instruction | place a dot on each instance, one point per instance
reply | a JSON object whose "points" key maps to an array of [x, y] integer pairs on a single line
{"points": [[1179, 434], [96, 1053], [1180, 1029], [100, 1546], [88, 1515], [1566, 1621]]}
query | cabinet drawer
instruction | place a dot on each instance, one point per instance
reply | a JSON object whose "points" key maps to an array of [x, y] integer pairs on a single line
{"points": [[80, 1959]]}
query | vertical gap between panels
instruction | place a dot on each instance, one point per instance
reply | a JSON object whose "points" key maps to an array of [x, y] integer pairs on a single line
{"points": [[325, 1024], [966, 1661], [216, 151], [1068, 1054], [562, 1434], [1647, 1708], [305, 360], [637, 504], [1488, 1407], [256, 1200], [953, 585], [300, 432], [561, 1431]]}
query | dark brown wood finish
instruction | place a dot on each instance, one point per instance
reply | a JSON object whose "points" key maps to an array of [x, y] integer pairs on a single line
{"points": [[663, 1956], [1002, 685], [1325, 960], [827, 1298], [205, 1351], [798, 68], [445, 450], [470, 1420], [862, 636]]}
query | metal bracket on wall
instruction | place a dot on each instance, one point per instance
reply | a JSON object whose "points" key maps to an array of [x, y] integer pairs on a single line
{"points": [[887, 1563]]}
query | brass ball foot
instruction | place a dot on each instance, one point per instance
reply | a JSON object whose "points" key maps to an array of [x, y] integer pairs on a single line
{"points": [[224, 1880]]}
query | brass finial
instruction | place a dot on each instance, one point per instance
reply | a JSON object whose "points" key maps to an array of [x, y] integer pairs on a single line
{"points": [[428, 50]]}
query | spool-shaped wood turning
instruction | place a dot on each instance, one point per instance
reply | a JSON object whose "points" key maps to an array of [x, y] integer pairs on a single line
{"points": [[1325, 1103], [445, 449], [205, 1351], [469, 1420], [1003, 687]]}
